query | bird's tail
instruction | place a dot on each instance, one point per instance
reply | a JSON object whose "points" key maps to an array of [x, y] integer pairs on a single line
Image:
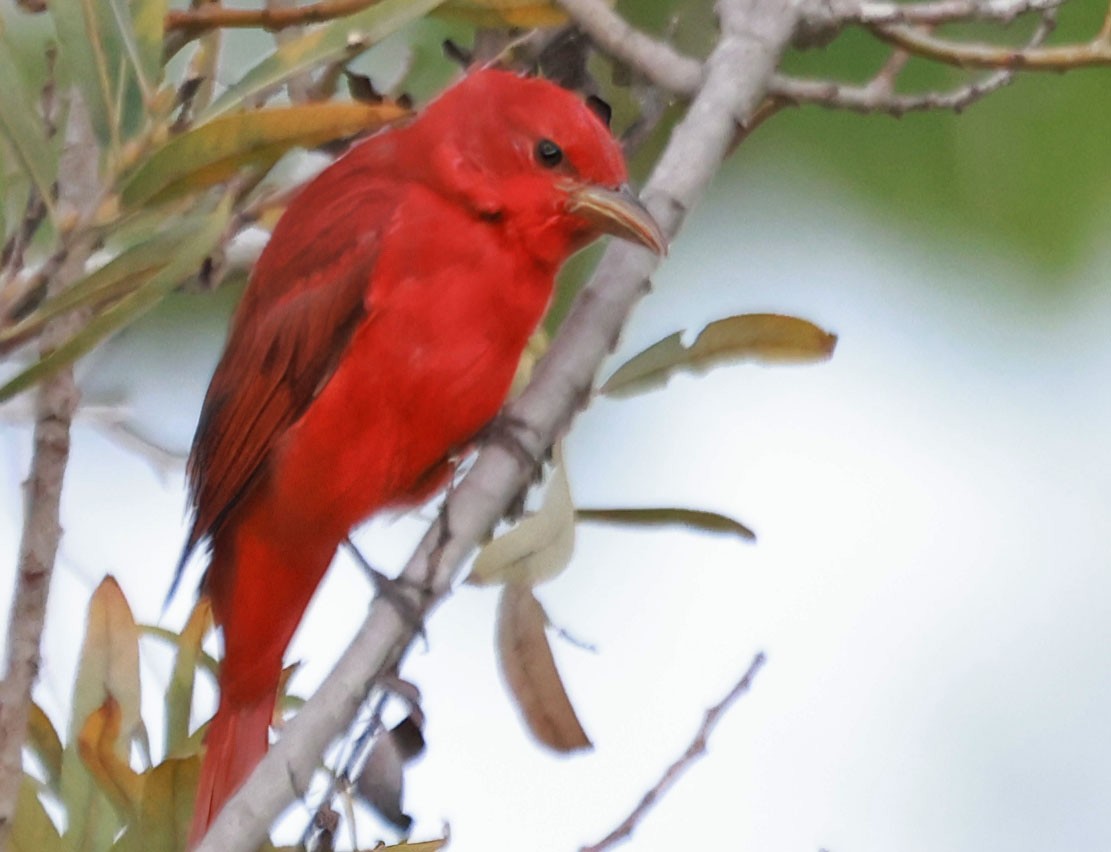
{"points": [[235, 743]]}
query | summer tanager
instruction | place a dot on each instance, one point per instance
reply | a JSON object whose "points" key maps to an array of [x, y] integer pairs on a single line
{"points": [[378, 335]]}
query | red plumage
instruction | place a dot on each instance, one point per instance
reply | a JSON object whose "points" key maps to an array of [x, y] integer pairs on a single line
{"points": [[379, 333]]}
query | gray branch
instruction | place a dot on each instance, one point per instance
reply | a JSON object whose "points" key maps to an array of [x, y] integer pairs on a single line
{"points": [[755, 32], [55, 404]]}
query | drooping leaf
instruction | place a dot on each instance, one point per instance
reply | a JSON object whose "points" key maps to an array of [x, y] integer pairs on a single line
{"points": [[44, 741], [179, 693], [32, 829], [764, 338], [530, 672], [337, 40], [523, 14], [182, 264], [162, 823], [98, 743], [667, 516], [214, 151], [21, 125], [539, 547], [107, 668]]}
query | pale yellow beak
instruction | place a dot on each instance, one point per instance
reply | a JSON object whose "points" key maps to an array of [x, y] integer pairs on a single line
{"points": [[617, 212]]}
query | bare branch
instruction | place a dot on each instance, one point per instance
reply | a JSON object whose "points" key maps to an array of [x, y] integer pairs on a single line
{"points": [[980, 55], [657, 61], [685, 761], [191, 23], [878, 96], [56, 401], [946, 11], [755, 34]]}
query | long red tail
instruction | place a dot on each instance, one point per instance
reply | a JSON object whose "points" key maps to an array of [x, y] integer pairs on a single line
{"points": [[236, 741]]}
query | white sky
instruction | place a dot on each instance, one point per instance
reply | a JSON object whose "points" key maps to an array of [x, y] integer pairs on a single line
{"points": [[929, 583]]}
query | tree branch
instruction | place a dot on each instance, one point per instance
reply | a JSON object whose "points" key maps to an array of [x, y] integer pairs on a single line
{"points": [[55, 403], [755, 32], [685, 761], [945, 11], [195, 22], [657, 61], [879, 95], [1064, 57]]}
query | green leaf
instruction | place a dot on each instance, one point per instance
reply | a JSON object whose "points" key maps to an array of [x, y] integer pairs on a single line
{"points": [[166, 809], [83, 51], [98, 46], [124, 273], [21, 126], [204, 659], [667, 516], [44, 741], [214, 151], [107, 671], [764, 338], [148, 19], [180, 265], [179, 694], [335, 41], [32, 829]]}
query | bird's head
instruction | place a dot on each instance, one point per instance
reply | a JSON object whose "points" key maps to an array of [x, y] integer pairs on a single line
{"points": [[531, 155]]}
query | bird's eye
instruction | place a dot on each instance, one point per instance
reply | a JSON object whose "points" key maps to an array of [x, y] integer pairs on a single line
{"points": [[548, 153]]}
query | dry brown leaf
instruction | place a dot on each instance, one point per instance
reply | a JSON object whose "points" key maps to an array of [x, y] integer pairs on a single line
{"points": [[531, 674]]}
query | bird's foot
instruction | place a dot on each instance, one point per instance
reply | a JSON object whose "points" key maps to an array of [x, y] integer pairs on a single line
{"points": [[398, 591]]}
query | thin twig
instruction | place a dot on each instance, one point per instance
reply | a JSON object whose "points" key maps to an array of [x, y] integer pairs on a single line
{"points": [[878, 96], [197, 21], [1065, 57], [684, 762]]}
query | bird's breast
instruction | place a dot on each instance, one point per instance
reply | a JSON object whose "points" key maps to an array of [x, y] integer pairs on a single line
{"points": [[450, 309]]}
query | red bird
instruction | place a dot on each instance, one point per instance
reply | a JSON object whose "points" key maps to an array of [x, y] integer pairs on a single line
{"points": [[379, 333]]}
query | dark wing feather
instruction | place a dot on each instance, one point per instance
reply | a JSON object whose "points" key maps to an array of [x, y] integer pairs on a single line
{"points": [[304, 303]]}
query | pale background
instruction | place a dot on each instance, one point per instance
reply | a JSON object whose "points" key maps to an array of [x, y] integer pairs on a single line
{"points": [[932, 506]]}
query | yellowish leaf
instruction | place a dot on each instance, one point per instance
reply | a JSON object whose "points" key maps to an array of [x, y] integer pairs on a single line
{"points": [[32, 829], [537, 346], [214, 151], [530, 671], [167, 807], [108, 669], [523, 14], [45, 743], [179, 693], [539, 547], [98, 745], [764, 338]]}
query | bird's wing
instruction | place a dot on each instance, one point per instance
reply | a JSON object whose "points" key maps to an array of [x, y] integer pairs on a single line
{"points": [[305, 300]]}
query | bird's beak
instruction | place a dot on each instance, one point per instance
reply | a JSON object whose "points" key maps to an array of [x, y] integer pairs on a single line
{"points": [[617, 212]]}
